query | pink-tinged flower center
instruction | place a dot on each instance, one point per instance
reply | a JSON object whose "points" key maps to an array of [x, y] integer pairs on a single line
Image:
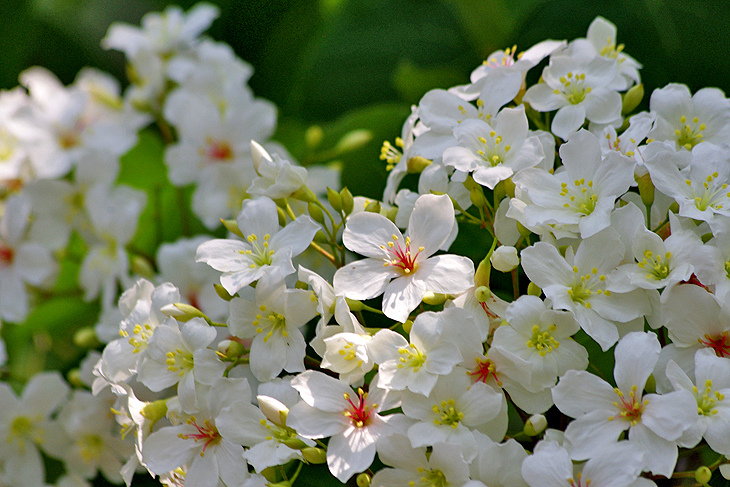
{"points": [[402, 258], [6, 255], [507, 60], [719, 343], [218, 150], [630, 408], [483, 370], [207, 433], [359, 413], [581, 482]]}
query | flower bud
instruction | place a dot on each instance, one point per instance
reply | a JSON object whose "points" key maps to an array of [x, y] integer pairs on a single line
{"points": [[141, 266], [373, 207], [86, 338], [155, 411], [313, 136], [232, 226], [504, 189], [407, 326], [222, 293], [314, 455], [632, 98], [481, 276], [334, 199], [650, 385], [353, 140], [646, 189], [231, 349], [348, 202], [477, 198], [304, 194], [416, 165], [505, 258], [703, 475], [282, 216], [354, 305], [534, 290], [316, 213], [273, 409], [257, 154], [320, 237], [363, 480], [482, 293], [434, 299], [183, 312], [535, 425]]}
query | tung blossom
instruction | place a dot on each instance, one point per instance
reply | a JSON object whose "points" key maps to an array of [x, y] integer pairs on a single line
{"points": [[406, 261]]}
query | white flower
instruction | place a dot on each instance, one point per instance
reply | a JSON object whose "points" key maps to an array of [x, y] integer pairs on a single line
{"points": [[272, 315], [329, 408], [579, 90], [407, 261], [654, 421], [266, 246], [549, 466], [277, 177]]}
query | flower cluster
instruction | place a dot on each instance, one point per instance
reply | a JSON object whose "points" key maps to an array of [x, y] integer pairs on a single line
{"points": [[242, 361]]}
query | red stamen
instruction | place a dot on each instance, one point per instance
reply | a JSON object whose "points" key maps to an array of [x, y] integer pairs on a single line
{"points": [[359, 413], [720, 344], [488, 311], [483, 370], [403, 258], [207, 433]]}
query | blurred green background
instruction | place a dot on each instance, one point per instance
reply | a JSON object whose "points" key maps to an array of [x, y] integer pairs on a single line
{"points": [[355, 63]]}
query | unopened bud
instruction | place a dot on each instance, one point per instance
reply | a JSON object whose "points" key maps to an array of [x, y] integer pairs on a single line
{"points": [[232, 226], [282, 216], [505, 258], [334, 199], [373, 207], [155, 411], [295, 444], [416, 165], [504, 189], [523, 230], [222, 293], [354, 305], [86, 338], [363, 480], [273, 409], [534, 290], [348, 202], [407, 326], [434, 299], [320, 237], [316, 213], [304, 194], [477, 197], [481, 276], [535, 425], [353, 140], [314, 455], [231, 349], [632, 98], [141, 266], [482, 293], [703, 475], [646, 189], [183, 312], [391, 214], [257, 154], [313, 136], [650, 385]]}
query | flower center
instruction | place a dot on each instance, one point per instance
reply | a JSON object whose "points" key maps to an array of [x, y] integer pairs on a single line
{"points": [[611, 50], [583, 287], [656, 268], [359, 413], [630, 408], [543, 341], [707, 400], [390, 154], [179, 361], [581, 197], [140, 336], [483, 369], [447, 414], [22, 429], [430, 478], [508, 59], [719, 343], [278, 433], [259, 252], [411, 357], [207, 434], [91, 447], [711, 195], [493, 153], [6, 255], [574, 89], [581, 482], [691, 132], [217, 150], [402, 258], [273, 322]]}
